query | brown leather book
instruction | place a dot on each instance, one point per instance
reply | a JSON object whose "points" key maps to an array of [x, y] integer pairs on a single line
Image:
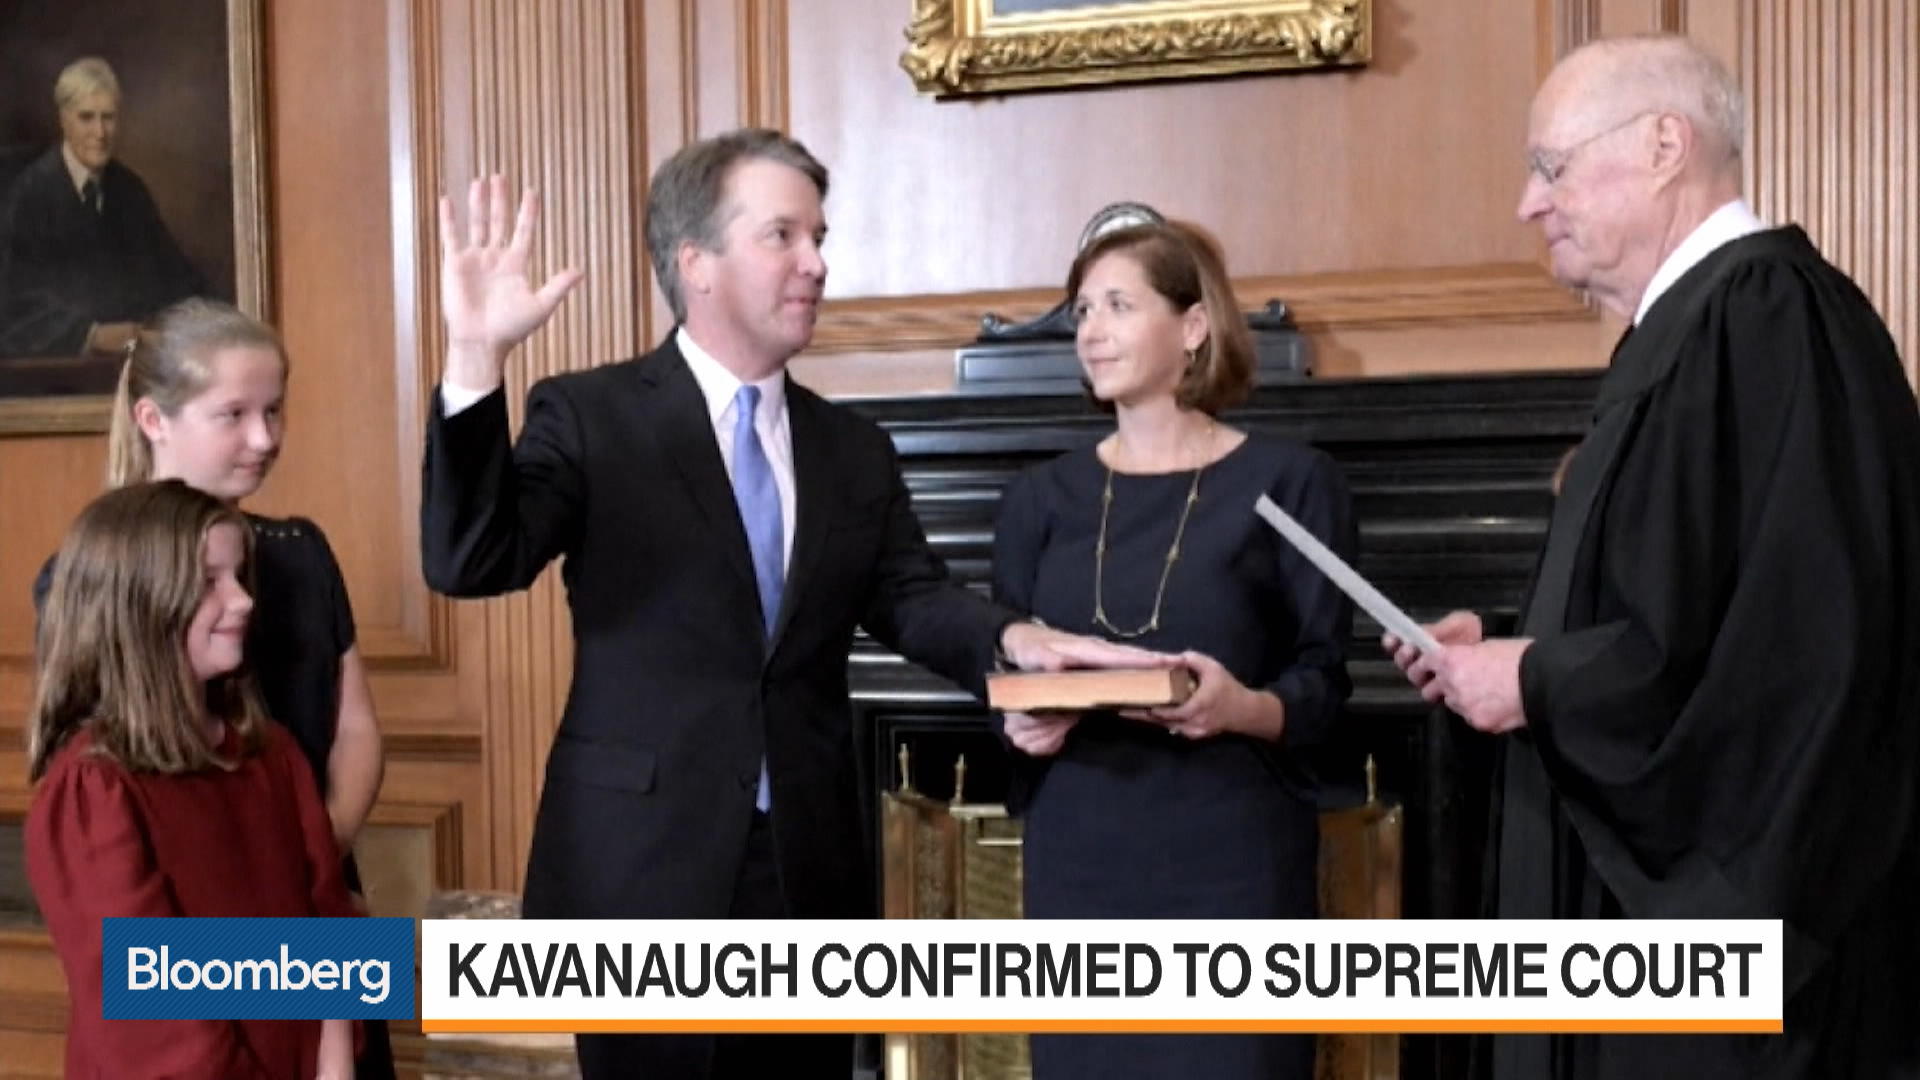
{"points": [[1035, 691]]}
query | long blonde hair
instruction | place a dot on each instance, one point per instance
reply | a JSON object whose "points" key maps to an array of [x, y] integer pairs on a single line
{"points": [[126, 585], [171, 361]]}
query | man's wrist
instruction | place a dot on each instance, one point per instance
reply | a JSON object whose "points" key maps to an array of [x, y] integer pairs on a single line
{"points": [[474, 367]]}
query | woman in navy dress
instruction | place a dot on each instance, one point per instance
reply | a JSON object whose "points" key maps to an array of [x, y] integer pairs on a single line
{"points": [[1205, 810]]}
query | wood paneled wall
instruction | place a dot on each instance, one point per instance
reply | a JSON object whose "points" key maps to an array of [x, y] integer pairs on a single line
{"points": [[1377, 202], [1835, 141]]}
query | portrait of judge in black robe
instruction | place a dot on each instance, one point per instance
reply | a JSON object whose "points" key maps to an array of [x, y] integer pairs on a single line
{"points": [[84, 254], [1712, 706]]}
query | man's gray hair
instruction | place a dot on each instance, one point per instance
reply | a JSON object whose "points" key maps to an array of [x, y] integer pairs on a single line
{"points": [[1675, 74], [82, 77], [685, 202]]}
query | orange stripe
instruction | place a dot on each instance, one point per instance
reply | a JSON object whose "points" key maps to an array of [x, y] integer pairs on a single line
{"points": [[1019, 1027]]}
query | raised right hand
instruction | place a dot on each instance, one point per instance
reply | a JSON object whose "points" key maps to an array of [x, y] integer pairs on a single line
{"points": [[489, 303]]}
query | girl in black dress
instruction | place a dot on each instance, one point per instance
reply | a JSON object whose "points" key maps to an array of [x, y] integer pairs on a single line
{"points": [[1149, 537], [201, 399]]}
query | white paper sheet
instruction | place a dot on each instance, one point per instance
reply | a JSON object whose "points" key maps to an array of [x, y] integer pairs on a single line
{"points": [[1396, 622]]}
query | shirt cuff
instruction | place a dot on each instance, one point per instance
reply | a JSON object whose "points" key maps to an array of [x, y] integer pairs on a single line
{"points": [[458, 399]]}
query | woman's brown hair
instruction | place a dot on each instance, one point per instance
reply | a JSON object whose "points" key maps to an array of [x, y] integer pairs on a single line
{"points": [[113, 658], [1184, 266], [170, 360]]}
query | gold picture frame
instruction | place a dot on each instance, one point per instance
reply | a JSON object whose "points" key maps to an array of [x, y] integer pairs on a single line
{"points": [[959, 48], [160, 54]]}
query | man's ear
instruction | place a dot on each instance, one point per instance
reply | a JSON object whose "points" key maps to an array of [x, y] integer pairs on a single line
{"points": [[1674, 143], [693, 261]]}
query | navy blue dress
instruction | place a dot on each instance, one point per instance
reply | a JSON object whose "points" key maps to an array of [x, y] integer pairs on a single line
{"points": [[1128, 821]]}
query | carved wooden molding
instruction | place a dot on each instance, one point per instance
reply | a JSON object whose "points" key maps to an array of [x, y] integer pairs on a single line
{"points": [[966, 47], [424, 637], [1496, 292], [763, 68], [445, 822], [434, 746]]}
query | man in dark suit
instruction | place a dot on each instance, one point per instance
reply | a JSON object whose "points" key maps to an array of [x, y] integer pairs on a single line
{"points": [[86, 256], [723, 530]]}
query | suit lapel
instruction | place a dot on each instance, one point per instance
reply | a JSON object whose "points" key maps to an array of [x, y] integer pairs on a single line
{"points": [[812, 495], [685, 433]]}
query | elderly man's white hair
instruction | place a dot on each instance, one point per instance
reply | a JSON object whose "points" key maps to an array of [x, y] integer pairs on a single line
{"points": [[1671, 74], [82, 77]]}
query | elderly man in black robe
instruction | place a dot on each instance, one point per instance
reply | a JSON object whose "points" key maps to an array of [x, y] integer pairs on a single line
{"points": [[84, 255], [1713, 706]]}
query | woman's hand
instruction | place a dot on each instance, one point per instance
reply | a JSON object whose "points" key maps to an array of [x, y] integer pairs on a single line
{"points": [[1220, 705], [1039, 734]]}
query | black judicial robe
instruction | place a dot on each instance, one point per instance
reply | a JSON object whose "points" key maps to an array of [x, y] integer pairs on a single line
{"points": [[1723, 694], [64, 268]]}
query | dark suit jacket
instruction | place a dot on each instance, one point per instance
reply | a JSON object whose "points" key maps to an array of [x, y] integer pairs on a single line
{"points": [[676, 693], [64, 268]]}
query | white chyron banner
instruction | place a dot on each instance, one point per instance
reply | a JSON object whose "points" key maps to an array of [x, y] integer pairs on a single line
{"points": [[1092, 975]]}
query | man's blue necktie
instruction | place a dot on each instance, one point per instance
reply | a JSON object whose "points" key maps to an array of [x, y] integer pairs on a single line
{"points": [[759, 500]]}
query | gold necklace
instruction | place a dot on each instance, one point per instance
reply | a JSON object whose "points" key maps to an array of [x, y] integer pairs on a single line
{"points": [[1100, 561]]}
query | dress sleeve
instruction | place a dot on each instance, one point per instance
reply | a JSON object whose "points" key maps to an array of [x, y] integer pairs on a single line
{"points": [[1019, 535], [1315, 684], [338, 607], [89, 859]]}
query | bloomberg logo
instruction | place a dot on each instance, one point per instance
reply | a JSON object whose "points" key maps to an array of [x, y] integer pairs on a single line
{"points": [[257, 969]]}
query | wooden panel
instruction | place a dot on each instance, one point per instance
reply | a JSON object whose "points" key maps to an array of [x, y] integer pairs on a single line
{"points": [[1318, 197], [1299, 174], [541, 94], [1836, 100], [332, 241], [33, 1055], [33, 1006]]}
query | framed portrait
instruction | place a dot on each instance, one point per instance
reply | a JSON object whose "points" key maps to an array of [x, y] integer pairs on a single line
{"points": [[132, 164], [970, 47]]}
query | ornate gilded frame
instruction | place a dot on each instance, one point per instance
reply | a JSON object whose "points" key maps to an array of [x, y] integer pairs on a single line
{"points": [[245, 48], [969, 47]]}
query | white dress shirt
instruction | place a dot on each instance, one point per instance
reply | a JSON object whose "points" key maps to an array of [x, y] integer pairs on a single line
{"points": [[717, 386], [1731, 222], [79, 173]]}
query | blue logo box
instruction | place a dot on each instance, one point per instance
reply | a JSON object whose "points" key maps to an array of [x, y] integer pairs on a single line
{"points": [[257, 969]]}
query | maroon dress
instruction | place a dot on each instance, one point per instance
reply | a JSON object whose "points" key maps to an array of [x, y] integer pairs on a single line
{"points": [[105, 841]]}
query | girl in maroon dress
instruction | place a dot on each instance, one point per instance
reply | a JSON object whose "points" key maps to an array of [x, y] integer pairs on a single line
{"points": [[163, 788]]}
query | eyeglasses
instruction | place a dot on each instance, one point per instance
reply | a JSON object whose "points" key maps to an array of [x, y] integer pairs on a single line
{"points": [[1551, 165]]}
